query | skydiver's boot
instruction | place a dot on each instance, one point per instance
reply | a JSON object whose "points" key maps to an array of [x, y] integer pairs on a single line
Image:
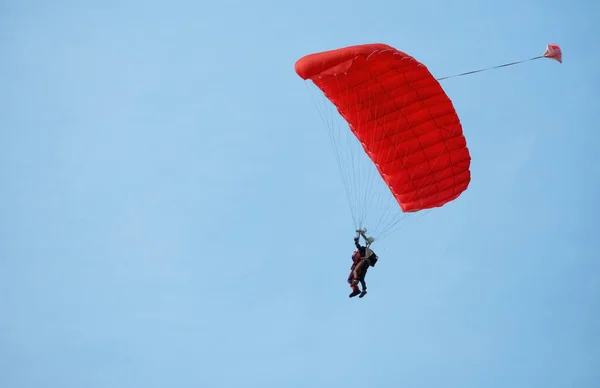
{"points": [[363, 293], [355, 291]]}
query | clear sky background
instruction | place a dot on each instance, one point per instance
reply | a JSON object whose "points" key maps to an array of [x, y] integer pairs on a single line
{"points": [[171, 214]]}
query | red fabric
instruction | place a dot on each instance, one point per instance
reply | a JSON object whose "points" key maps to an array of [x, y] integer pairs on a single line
{"points": [[401, 115], [553, 51]]}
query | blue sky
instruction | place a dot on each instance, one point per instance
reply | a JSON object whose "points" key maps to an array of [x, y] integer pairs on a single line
{"points": [[172, 215]]}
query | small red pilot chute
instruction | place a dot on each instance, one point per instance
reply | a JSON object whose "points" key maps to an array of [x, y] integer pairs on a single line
{"points": [[553, 51]]}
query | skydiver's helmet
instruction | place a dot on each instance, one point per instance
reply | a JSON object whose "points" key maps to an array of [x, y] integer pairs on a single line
{"points": [[355, 256]]}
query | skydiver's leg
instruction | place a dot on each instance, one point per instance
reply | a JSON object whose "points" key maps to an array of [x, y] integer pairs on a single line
{"points": [[350, 277], [353, 285], [364, 286]]}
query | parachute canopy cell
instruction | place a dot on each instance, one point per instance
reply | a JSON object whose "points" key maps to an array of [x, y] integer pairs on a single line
{"points": [[402, 117]]}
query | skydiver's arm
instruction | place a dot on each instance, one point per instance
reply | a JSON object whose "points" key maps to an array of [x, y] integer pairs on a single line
{"points": [[358, 246]]}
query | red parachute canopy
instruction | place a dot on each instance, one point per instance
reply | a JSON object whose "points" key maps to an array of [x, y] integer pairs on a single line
{"points": [[402, 117]]}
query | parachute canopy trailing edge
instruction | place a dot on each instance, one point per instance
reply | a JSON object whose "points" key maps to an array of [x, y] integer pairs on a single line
{"points": [[402, 117]]}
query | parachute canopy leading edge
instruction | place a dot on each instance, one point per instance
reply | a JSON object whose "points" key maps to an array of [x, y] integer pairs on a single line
{"points": [[402, 117]]}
